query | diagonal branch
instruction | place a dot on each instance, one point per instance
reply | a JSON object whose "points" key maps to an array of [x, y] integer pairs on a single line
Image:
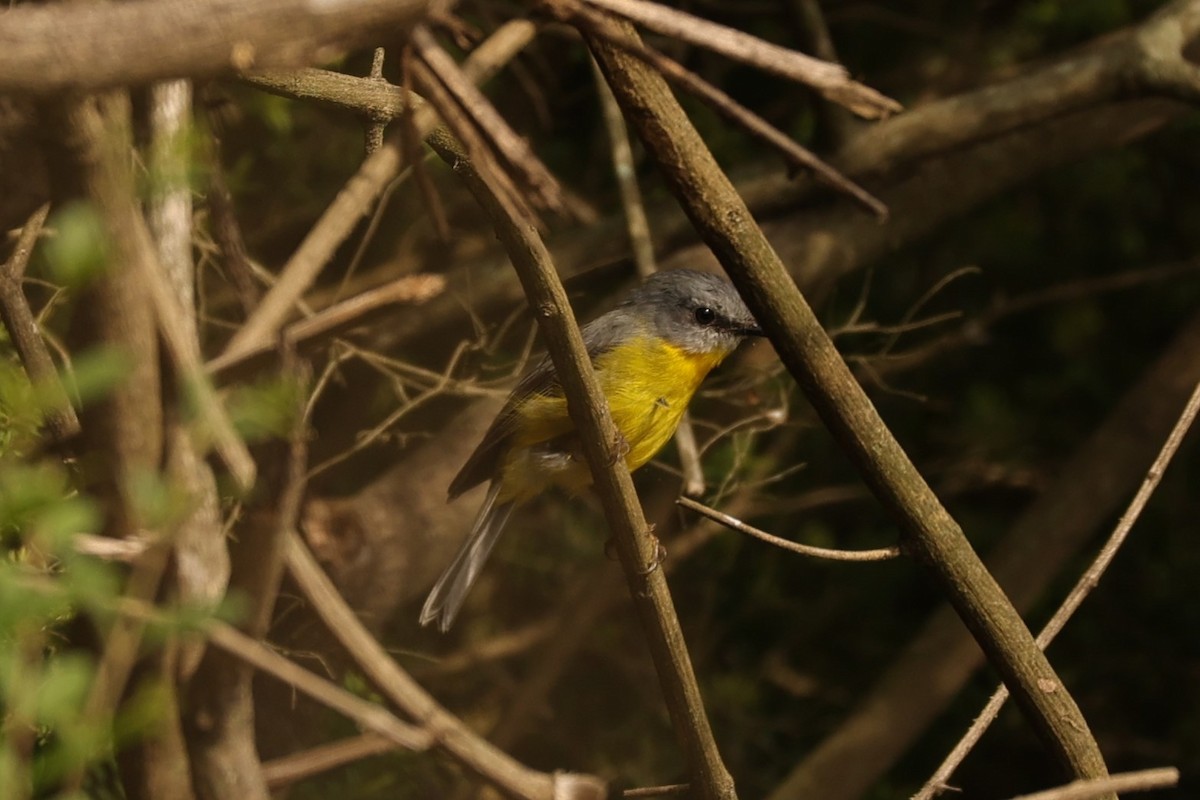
{"points": [[1083, 587], [517, 153], [638, 549], [831, 80], [52, 48], [797, 156], [23, 331], [450, 735], [728, 228], [733, 523], [355, 200]]}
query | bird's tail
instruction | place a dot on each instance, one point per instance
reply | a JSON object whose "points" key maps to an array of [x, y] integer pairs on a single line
{"points": [[448, 594]]}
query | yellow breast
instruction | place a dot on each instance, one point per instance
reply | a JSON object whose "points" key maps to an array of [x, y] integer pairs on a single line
{"points": [[648, 384]]}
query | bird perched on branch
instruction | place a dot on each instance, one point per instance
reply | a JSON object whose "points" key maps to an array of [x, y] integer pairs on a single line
{"points": [[650, 354]]}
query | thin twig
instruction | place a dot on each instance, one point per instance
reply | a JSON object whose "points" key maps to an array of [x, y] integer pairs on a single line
{"points": [[831, 80], [351, 204], [23, 331], [368, 715], [451, 736], [1140, 781], [412, 145], [460, 124], [727, 226], [637, 226], [295, 767], [637, 548], [878, 554], [378, 123], [835, 124], [335, 320], [540, 182], [796, 155], [225, 229], [671, 790], [1083, 587]]}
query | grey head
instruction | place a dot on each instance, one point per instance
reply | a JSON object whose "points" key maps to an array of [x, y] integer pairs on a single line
{"points": [[696, 311]]}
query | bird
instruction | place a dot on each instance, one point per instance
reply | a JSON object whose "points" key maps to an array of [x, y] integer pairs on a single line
{"points": [[650, 354]]}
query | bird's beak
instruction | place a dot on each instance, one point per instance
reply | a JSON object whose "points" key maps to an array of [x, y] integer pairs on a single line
{"points": [[749, 330]]}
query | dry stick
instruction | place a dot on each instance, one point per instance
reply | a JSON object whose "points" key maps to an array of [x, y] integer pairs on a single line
{"points": [[353, 201], [173, 325], [602, 590], [413, 153], [1086, 583], [797, 155], [295, 767], [671, 790], [458, 120], [142, 41], [99, 136], [1089, 489], [115, 195], [514, 149], [451, 736], [878, 554], [369, 716], [637, 226], [220, 708], [831, 80], [638, 549], [376, 124], [1140, 781], [835, 125], [226, 231], [18, 319], [334, 320], [251, 651], [725, 223]]}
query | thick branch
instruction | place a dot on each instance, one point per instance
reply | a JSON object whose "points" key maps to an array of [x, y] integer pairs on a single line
{"points": [[354, 200], [1087, 491], [450, 735], [637, 548], [53, 48], [726, 225]]}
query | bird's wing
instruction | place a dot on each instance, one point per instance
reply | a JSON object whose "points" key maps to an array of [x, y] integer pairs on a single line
{"points": [[599, 336]]}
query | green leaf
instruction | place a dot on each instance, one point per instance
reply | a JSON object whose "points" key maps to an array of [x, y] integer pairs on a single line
{"points": [[80, 249]]}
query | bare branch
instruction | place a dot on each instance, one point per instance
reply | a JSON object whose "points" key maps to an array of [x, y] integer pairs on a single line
{"points": [[147, 40], [794, 153], [352, 203], [295, 767], [725, 223], [541, 184], [370, 716], [831, 80], [26, 337], [880, 554], [1046, 536], [1083, 587], [589, 413], [450, 734], [332, 321], [1140, 781]]}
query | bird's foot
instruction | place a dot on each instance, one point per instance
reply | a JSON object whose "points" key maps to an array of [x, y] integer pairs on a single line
{"points": [[660, 555], [620, 448]]}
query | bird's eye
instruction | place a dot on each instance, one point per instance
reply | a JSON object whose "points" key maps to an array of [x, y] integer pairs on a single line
{"points": [[705, 315]]}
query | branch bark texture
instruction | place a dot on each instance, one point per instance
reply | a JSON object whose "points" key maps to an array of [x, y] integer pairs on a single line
{"points": [[54, 48], [637, 548], [725, 224]]}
